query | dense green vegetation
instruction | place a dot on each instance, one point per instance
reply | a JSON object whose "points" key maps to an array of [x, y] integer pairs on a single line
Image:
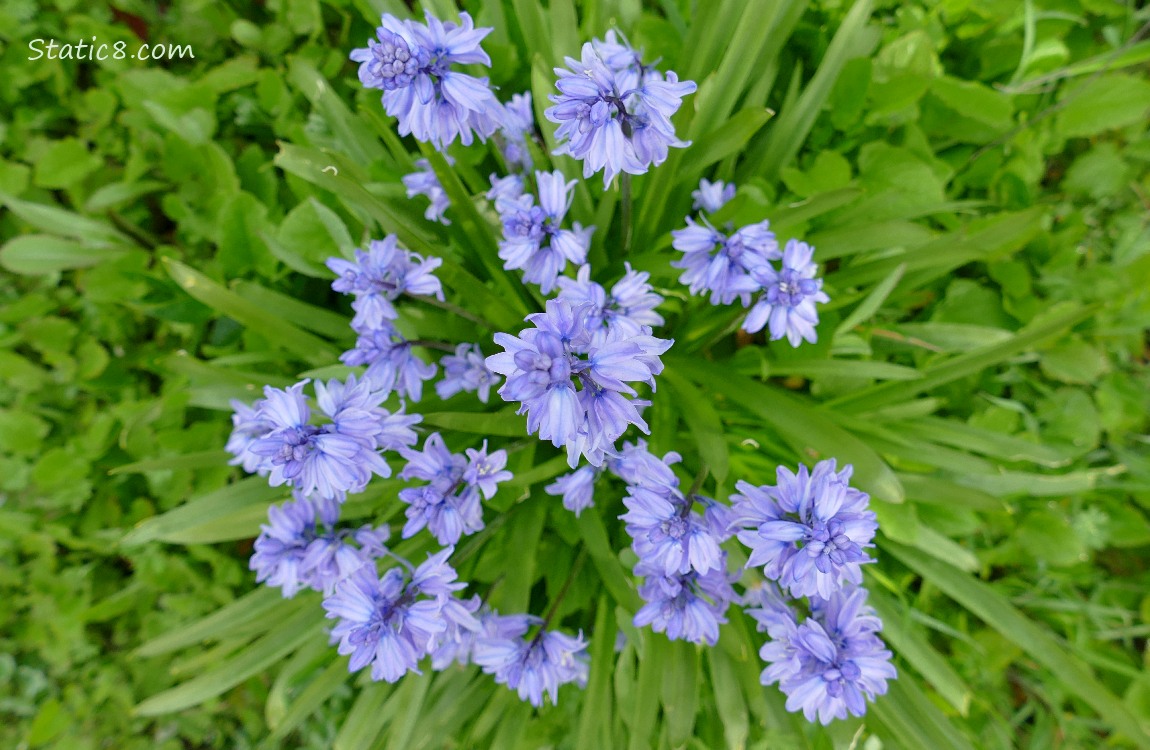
{"points": [[975, 176]]}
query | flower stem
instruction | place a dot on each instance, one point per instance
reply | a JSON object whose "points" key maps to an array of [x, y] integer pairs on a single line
{"points": [[575, 568], [442, 346], [625, 186], [461, 312]]}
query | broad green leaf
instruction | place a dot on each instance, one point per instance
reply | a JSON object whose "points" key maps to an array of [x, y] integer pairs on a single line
{"points": [[681, 684], [366, 720], [729, 138], [285, 638], [615, 579], [249, 492], [54, 220], [991, 607], [280, 333], [198, 460], [703, 423], [505, 423], [318, 691], [595, 718], [1103, 103], [309, 317], [39, 254], [652, 663], [869, 306], [262, 604], [523, 532]]}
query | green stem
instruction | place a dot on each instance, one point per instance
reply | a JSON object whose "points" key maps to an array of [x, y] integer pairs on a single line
{"points": [[625, 185], [575, 568], [461, 312]]}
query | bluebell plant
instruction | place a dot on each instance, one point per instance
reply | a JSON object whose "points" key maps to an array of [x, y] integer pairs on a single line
{"points": [[584, 370]]}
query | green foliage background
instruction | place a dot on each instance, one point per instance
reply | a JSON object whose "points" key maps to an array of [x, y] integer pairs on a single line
{"points": [[975, 176]]}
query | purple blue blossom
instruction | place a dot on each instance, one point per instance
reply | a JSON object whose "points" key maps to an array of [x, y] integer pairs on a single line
{"points": [[247, 427], [711, 196], [412, 64], [466, 370], [787, 305], [507, 188], [686, 606], [392, 364], [725, 266], [573, 387], [330, 460], [576, 488], [392, 621], [667, 535], [517, 128], [532, 667], [293, 552], [449, 504], [628, 310], [533, 237], [379, 276], [425, 182], [809, 531], [614, 112]]}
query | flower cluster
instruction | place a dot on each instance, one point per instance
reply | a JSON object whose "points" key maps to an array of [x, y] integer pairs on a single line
{"points": [[392, 621], [809, 532], [516, 130], [530, 666], [377, 278], [533, 237], [738, 265], [293, 552], [424, 181], [628, 310], [449, 504], [412, 64], [572, 383], [466, 370], [614, 112], [275, 437]]}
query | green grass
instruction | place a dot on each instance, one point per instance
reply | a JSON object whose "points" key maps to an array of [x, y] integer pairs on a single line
{"points": [[974, 175]]}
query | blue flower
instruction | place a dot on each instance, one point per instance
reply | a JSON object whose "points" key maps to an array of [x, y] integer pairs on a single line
{"points": [[318, 460], [788, 304], [425, 182], [392, 364], [711, 196], [449, 505], [576, 488], [809, 532], [247, 427], [533, 239], [412, 64], [628, 310], [638, 467], [507, 188], [667, 535], [292, 553], [613, 112], [832, 663], [686, 606], [392, 621], [517, 127], [466, 370], [532, 667], [379, 276], [726, 266], [572, 388]]}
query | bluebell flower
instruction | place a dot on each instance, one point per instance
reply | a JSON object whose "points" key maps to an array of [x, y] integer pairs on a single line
{"points": [[379, 276], [629, 309], [711, 196], [454, 645], [536, 666], [725, 266], [294, 552], [425, 182], [466, 370], [533, 237], [392, 621], [449, 506], [248, 427], [788, 303], [809, 532], [832, 663], [638, 467], [613, 112], [392, 364], [517, 127], [686, 606], [668, 535], [412, 64], [354, 409], [573, 389], [503, 189], [313, 459], [576, 488]]}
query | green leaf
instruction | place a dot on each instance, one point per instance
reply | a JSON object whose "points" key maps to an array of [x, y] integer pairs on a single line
{"points": [[729, 138], [869, 306], [279, 333], [198, 460], [595, 718], [680, 693], [57, 221], [505, 423], [285, 638], [703, 423], [366, 720], [615, 579], [987, 604], [38, 254], [1103, 103], [252, 491], [641, 719]]}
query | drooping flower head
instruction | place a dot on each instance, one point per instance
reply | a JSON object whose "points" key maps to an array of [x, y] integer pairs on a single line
{"points": [[572, 387], [466, 370], [532, 667], [628, 309], [517, 127], [425, 182], [686, 606], [614, 113], [724, 265], [711, 196], [533, 237], [412, 63], [809, 532], [392, 364], [379, 276], [247, 427], [787, 306]]}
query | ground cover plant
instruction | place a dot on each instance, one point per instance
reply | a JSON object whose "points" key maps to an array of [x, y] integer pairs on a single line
{"points": [[908, 237]]}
